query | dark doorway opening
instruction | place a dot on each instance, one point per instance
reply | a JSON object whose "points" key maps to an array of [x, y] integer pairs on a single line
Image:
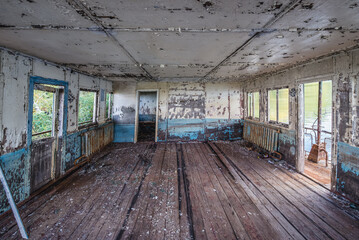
{"points": [[147, 116]]}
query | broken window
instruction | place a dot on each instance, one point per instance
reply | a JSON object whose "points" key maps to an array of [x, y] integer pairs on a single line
{"points": [[253, 105], [42, 114], [87, 107], [278, 105], [47, 111], [109, 104]]}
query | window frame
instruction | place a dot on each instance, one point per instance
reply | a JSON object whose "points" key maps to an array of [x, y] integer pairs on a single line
{"points": [[109, 111], [95, 109], [251, 112], [276, 122], [48, 89]]}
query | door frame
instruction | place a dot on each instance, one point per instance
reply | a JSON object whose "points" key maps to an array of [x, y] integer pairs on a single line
{"points": [[300, 122], [40, 80], [138, 92]]}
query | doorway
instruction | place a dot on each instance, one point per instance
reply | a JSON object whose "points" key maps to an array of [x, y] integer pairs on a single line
{"points": [[317, 128], [46, 127], [146, 116]]}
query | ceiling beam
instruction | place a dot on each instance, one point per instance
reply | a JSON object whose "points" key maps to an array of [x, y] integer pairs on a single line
{"points": [[176, 30], [285, 10], [82, 10]]}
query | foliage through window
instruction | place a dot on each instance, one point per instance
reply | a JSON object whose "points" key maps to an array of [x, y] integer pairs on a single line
{"points": [[253, 105], [278, 105], [87, 107], [109, 104], [42, 114]]}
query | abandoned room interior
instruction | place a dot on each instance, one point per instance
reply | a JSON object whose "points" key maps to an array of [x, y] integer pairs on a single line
{"points": [[192, 119]]}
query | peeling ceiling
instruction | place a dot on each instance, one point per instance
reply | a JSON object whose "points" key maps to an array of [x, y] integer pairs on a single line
{"points": [[171, 40]]}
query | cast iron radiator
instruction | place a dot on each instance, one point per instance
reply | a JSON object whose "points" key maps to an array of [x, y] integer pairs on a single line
{"points": [[94, 140], [264, 137]]}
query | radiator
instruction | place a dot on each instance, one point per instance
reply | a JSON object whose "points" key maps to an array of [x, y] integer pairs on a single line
{"points": [[264, 137], [94, 140]]}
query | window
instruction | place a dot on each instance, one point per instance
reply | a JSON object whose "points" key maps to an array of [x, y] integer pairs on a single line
{"points": [[109, 104], [278, 101], [253, 105], [87, 107], [42, 114], [46, 111]]}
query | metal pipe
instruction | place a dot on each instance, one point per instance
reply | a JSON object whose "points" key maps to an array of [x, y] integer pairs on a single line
{"points": [[13, 205]]}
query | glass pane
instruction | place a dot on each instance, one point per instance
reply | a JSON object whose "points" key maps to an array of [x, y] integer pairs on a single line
{"points": [[249, 107], [283, 105], [272, 95], [86, 107], [42, 113], [326, 135], [327, 106], [256, 104], [311, 104]]}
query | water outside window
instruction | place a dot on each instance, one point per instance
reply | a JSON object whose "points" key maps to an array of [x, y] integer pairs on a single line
{"points": [[311, 96]]}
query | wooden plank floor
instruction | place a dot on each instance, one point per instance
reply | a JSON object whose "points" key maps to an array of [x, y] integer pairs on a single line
{"points": [[182, 191]]}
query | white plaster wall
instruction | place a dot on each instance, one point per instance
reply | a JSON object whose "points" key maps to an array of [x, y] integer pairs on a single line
{"points": [[124, 99], [102, 101], [15, 70], [46, 70], [88, 82], [219, 97], [73, 80], [147, 104], [217, 100]]}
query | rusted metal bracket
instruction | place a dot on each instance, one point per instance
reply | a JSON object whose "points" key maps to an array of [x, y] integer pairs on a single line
{"points": [[13, 205]]}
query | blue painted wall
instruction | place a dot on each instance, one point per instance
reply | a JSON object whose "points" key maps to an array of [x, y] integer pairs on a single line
{"points": [[187, 130], [16, 167], [124, 133], [348, 170], [147, 117]]}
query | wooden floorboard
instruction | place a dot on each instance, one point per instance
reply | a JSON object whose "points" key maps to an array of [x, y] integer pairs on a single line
{"points": [[214, 190]]}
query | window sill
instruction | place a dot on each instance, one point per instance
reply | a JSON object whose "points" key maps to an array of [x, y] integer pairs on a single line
{"points": [[87, 125], [279, 125], [253, 119]]}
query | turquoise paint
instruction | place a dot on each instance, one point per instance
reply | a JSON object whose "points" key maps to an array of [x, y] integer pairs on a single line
{"points": [[348, 170], [349, 167], [223, 129], [124, 132], [288, 137], [74, 146], [147, 117], [16, 166], [346, 151], [187, 130]]}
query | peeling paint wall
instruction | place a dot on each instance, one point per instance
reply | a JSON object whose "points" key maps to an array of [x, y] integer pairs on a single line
{"points": [[147, 106], [16, 157], [188, 111], [343, 70]]}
